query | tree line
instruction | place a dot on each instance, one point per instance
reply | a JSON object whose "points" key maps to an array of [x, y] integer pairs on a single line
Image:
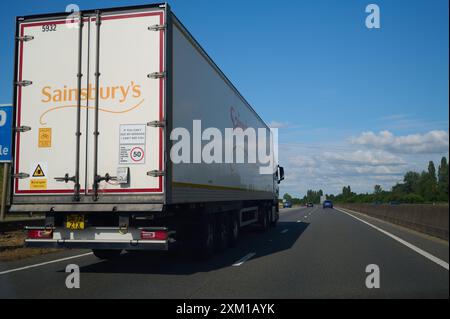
{"points": [[428, 186], [310, 197]]}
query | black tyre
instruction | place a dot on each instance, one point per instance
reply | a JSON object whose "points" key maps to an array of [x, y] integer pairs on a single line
{"points": [[234, 229], [204, 243], [274, 220], [264, 220], [107, 254], [222, 234]]}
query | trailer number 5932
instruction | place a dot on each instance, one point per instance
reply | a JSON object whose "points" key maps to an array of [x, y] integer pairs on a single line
{"points": [[48, 27]]}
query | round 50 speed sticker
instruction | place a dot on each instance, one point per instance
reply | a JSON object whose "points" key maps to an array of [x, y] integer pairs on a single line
{"points": [[137, 154]]}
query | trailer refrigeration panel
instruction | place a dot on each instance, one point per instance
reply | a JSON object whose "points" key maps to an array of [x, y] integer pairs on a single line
{"points": [[101, 97]]}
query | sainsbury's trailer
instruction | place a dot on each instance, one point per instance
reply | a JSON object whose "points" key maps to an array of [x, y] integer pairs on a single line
{"points": [[114, 110]]}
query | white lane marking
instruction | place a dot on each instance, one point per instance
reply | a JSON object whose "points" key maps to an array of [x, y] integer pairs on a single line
{"points": [[306, 216], [243, 259], [44, 263], [422, 252], [284, 231]]}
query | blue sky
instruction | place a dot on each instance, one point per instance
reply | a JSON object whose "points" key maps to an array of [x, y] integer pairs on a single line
{"points": [[314, 70]]}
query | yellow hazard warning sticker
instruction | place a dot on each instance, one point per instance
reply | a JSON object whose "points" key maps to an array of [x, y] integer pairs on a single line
{"points": [[38, 172], [45, 137], [38, 184]]}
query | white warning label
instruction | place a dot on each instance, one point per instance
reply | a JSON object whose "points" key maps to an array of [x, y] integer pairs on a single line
{"points": [[132, 144], [132, 134]]}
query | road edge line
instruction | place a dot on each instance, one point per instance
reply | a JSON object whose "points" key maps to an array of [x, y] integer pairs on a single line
{"points": [[418, 250], [43, 264], [243, 259]]}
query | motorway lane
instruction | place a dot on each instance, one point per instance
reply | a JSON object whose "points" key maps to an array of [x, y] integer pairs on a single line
{"points": [[312, 253], [436, 246]]}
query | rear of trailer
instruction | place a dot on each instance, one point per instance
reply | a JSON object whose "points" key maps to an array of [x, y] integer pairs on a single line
{"points": [[97, 96]]}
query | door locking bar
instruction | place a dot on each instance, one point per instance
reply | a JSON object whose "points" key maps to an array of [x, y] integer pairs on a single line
{"points": [[76, 178], [105, 178], [76, 196], [65, 179], [97, 178]]}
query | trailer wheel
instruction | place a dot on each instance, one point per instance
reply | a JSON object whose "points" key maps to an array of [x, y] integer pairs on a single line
{"points": [[106, 254], [234, 229], [264, 220], [223, 232], [205, 240], [274, 219]]}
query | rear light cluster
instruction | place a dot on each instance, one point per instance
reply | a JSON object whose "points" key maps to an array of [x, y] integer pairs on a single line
{"points": [[40, 234], [154, 235]]}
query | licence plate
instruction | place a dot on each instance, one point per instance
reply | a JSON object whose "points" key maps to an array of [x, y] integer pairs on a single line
{"points": [[75, 222]]}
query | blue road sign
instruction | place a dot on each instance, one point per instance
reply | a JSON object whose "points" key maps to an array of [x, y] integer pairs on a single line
{"points": [[5, 133]]}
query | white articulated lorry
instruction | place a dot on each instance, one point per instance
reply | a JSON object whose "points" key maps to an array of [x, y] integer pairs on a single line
{"points": [[102, 100]]}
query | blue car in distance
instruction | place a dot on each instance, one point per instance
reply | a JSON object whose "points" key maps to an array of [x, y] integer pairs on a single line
{"points": [[327, 204], [287, 205]]}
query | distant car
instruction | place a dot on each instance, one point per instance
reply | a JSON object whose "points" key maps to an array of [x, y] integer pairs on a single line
{"points": [[327, 204], [310, 205], [287, 205]]}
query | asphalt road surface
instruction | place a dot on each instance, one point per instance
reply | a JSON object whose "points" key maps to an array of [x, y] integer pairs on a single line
{"points": [[312, 253]]}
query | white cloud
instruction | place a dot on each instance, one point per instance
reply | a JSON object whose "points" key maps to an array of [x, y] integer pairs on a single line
{"points": [[361, 162], [331, 167], [410, 122], [432, 142], [394, 117], [365, 158], [276, 124]]}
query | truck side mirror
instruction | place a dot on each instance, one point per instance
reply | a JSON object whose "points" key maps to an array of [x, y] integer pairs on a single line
{"points": [[281, 174]]}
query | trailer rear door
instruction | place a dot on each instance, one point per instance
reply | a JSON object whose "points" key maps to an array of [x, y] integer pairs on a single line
{"points": [[46, 106], [125, 150], [131, 102]]}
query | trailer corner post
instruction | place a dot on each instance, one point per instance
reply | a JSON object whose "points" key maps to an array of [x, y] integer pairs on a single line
{"points": [[4, 191]]}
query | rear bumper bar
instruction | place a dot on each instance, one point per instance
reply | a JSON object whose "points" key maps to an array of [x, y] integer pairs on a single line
{"points": [[84, 208], [96, 244], [101, 238]]}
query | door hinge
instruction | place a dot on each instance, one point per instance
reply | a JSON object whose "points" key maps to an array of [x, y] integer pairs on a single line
{"points": [[25, 38], [155, 173], [24, 83], [20, 175], [156, 124], [157, 27], [22, 129], [156, 75]]}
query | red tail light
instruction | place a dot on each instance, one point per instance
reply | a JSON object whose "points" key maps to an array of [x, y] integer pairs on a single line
{"points": [[40, 234], [154, 235]]}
